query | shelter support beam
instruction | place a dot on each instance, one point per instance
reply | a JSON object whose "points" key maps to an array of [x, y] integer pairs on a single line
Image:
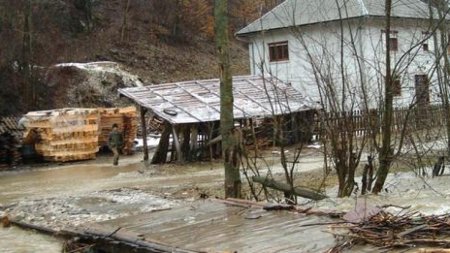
{"points": [[144, 132], [176, 140], [160, 155]]}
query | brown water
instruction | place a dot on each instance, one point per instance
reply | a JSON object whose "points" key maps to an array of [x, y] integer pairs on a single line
{"points": [[88, 186], [15, 240]]}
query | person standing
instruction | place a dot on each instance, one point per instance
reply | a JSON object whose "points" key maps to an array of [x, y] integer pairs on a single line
{"points": [[115, 142]]}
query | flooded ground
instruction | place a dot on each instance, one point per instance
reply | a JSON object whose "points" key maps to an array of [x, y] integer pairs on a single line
{"points": [[95, 191], [15, 240]]}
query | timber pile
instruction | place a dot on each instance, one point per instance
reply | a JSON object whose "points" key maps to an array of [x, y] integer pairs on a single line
{"points": [[64, 134], [126, 119], [155, 125], [388, 231], [10, 138]]}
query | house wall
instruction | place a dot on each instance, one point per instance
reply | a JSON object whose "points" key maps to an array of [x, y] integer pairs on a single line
{"points": [[363, 59]]}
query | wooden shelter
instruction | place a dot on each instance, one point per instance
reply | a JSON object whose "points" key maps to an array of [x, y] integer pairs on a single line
{"points": [[191, 111]]}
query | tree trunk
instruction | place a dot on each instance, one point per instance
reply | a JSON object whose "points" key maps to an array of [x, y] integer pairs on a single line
{"points": [[444, 80], [27, 87], [232, 176], [124, 20], [286, 188], [386, 151]]}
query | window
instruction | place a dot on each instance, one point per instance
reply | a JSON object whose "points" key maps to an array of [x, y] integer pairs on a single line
{"points": [[396, 87], [393, 40], [393, 44], [422, 89], [425, 46], [278, 51]]}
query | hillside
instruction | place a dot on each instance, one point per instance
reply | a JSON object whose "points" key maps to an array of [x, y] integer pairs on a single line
{"points": [[139, 34]]}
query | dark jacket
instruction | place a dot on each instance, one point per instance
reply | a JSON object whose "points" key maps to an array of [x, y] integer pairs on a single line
{"points": [[115, 139]]}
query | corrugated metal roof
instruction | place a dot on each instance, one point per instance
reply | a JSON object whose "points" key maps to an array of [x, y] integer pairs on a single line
{"points": [[303, 12], [199, 100]]}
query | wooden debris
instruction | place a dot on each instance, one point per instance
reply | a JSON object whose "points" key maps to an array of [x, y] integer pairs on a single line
{"points": [[408, 230], [5, 221], [104, 241]]}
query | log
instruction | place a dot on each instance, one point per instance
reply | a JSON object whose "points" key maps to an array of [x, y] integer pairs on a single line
{"points": [[102, 240], [297, 191]]}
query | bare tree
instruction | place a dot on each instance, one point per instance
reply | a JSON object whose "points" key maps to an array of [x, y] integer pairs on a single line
{"points": [[229, 142]]}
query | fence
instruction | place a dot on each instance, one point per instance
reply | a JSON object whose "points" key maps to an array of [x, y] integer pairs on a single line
{"points": [[364, 122]]}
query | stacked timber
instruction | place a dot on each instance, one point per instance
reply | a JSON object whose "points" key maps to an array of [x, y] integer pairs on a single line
{"points": [[126, 120], [64, 134], [155, 125], [10, 138]]}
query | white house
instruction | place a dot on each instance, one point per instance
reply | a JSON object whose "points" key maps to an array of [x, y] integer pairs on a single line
{"points": [[299, 41]]}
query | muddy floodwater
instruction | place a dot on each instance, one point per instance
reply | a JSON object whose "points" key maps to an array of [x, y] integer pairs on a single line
{"points": [[95, 191], [15, 240]]}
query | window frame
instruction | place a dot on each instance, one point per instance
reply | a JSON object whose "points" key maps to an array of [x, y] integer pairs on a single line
{"points": [[393, 40], [422, 89], [396, 87], [278, 51]]}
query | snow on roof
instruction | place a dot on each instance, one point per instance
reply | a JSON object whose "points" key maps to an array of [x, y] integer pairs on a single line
{"points": [[199, 100], [303, 12]]}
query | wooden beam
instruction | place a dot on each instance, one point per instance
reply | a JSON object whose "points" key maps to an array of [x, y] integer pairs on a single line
{"points": [[144, 132], [177, 144], [218, 95], [185, 145], [176, 106], [277, 99], [160, 155], [298, 191]]}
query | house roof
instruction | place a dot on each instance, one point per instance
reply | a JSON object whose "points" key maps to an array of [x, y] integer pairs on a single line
{"points": [[304, 12], [199, 100]]}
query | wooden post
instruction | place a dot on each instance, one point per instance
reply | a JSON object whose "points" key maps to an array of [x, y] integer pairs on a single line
{"points": [[177, 144], [193, 142], [160, 155], [185, 146], [144, 132]]}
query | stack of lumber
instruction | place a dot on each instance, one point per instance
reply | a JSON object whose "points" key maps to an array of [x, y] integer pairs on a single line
{"points": [[64, 134], [126, 120], [10, 138], [155, 125]]}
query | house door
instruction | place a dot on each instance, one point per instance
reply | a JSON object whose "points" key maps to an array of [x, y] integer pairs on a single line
{"points": [[422, 90]]}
